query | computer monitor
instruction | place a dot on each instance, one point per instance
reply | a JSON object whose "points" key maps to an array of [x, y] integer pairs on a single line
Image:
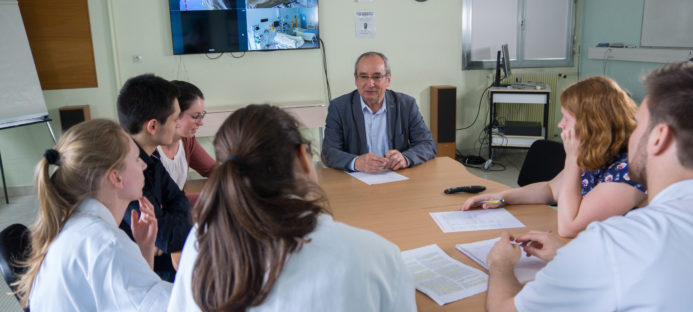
{"points": [[502, 61], [506, 60]]}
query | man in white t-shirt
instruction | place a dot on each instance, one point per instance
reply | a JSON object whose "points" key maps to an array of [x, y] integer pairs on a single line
{"points": [[640, 261]]}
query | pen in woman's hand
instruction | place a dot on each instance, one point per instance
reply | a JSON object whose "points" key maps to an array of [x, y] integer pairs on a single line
{"points": [[495, 201], [529, 243]]}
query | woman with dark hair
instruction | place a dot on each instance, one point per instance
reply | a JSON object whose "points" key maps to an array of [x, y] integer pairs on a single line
{"points": [[185, 151], [264, 240], [598, 118], [80, 260]]}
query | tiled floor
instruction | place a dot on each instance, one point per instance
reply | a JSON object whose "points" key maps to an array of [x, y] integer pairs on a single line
{"points": [[23, 209], [8, 302], [505, 168]]}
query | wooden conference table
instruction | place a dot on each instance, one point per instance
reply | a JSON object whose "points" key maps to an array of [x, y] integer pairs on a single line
{"points": [[399, 211]]}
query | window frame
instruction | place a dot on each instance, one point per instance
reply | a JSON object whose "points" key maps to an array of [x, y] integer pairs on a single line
{"points": [[519, 61]]}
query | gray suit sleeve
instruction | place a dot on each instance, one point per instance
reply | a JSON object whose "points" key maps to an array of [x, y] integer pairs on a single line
{"points": [[422, 146], [333, 146]]}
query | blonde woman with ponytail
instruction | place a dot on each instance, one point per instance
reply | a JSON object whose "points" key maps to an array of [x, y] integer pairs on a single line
{"points": [[80, 260], [264, 240]]}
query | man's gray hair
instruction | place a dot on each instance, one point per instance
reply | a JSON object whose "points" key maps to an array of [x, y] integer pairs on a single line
{"points": [[373, 53]]}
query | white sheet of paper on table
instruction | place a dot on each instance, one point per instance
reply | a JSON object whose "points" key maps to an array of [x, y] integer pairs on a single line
{"points": [[525, 270], [383, 176], [475, 220], [441, 277]]}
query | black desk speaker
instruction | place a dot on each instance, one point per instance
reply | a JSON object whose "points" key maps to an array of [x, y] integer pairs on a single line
{"points": [[443, 113], [72, 115]]}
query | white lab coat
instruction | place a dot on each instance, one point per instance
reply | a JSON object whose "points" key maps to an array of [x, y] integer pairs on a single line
{"points": [[637, 262], [94, 266], [342, 268]]}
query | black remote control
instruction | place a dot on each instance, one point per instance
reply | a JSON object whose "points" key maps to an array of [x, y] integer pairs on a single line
{"points": [[466, 189]]}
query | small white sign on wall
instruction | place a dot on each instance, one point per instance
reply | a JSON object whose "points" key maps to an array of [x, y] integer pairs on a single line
{"points": [[365, 24]]}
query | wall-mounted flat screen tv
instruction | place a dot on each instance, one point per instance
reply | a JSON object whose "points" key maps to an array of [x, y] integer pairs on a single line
{"points": [[213, 26]]}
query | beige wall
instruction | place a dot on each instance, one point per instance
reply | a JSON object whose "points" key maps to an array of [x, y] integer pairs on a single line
{"points": [[422, 40]]}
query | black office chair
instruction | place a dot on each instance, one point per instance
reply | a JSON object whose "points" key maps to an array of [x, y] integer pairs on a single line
{"points": [[14, 245], [544, 160]]}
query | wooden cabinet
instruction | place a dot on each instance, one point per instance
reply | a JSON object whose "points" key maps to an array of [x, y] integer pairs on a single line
{"points": [[60, 38]]}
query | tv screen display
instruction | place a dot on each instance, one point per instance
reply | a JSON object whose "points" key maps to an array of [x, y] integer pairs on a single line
{"points": [[212, 26]]}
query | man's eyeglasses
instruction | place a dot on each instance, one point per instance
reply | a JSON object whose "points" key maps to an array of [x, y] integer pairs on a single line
{"points": [[376, 77], [198, 116]]}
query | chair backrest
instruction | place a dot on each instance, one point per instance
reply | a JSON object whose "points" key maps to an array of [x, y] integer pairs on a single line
{"points": [[14, 245], [544, 160]]}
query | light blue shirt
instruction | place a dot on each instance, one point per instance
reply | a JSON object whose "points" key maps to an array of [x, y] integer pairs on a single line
{"points": [[376, 130]]}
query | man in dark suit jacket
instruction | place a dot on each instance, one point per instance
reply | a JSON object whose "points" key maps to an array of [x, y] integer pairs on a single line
{"points": [[148, 111], [373, 128]]}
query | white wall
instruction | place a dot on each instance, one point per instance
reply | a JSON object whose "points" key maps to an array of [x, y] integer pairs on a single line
{"points": [[422, 40]]}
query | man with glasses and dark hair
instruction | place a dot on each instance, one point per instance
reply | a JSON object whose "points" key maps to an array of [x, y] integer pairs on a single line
{"points": [[373, 128], [148, 110]]}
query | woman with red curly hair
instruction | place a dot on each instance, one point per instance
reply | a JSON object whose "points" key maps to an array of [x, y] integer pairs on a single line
{"points": [[598, 118]]}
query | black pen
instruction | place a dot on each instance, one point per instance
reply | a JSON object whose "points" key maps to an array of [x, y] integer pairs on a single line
{"points": [[528, 243]]}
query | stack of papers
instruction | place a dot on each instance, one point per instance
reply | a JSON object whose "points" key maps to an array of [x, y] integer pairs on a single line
{"points": [[475, 220], [525, 270], [441, 277], [383, 176]]}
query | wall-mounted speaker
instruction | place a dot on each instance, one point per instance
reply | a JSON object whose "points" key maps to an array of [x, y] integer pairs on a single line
{"points": [[72, 115], [443, 113]]}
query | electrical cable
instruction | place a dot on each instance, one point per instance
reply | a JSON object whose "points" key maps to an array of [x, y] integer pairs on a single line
{"points": [[324, 66], [495, 163], [607, 53], [478, 110], [579, 63], [183, 68], [242, 55], [213, 58], [482, 138]]}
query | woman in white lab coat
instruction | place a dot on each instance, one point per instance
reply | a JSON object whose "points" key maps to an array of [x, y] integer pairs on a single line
{"points": [[80, 260], [264, 241]]}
